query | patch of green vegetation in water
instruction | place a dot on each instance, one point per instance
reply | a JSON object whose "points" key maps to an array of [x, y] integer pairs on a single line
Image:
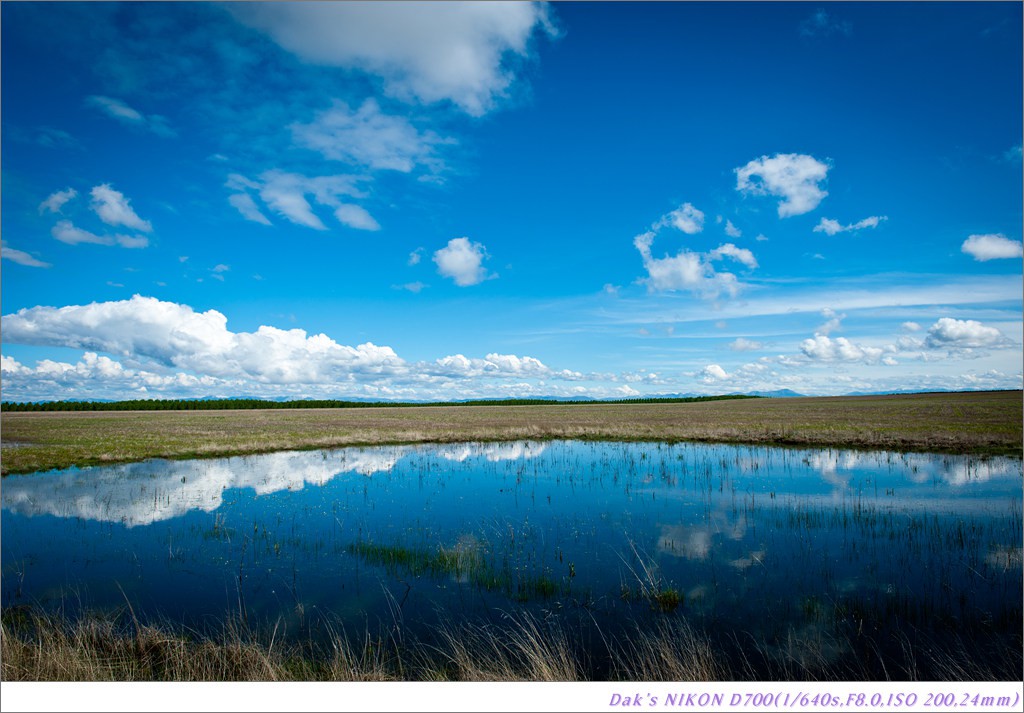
{"points": [[465, 563]]}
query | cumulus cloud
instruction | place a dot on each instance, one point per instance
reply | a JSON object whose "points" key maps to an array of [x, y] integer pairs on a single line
{"points": [[144, 345], [462, 261], [824, 348], [286, 194], [991, 247], [368, 137], [793, 177], [427, 52], [731, 251], [56, 201], [833, 227], [20, 256], [833, 321], [714, 372], [173, 335], [114, 209], [686, 218], [118, 110], [962, 333], [691, 271], [732, 231], [414, 257]]}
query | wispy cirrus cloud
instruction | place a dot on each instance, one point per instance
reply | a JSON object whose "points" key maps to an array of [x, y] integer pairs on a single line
{"points": [[830, 226], [368, 138], [286, 194], [57, 200], [66, 232], [120, 111], [20, 256], [113, 208]]}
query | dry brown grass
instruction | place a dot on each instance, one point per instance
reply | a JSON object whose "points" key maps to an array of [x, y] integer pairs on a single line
{"points": [[673, 651], [39, 647], [965, 422]]}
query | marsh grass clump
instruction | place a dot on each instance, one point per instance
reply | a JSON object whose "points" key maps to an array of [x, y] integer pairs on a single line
{"points": [[525, 649], [465, 562], [672, 651]]}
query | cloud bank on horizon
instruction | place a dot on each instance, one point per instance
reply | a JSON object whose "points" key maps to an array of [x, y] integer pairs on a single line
{"points": [[468, 200]]}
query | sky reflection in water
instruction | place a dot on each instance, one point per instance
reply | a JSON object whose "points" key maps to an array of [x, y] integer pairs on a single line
{"points": [[757, 540]]}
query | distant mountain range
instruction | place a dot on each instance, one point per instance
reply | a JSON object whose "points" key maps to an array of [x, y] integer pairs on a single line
{"points": [[776, 393]]}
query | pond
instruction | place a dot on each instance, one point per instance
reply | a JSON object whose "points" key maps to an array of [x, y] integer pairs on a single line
{"points": [[747, 543]]}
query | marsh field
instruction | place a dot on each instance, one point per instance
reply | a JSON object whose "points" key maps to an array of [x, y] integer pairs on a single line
{"points": [[962, 422], [855, 538]]}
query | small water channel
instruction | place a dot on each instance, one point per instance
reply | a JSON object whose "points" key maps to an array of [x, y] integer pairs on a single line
{"points": [[749, 542]]}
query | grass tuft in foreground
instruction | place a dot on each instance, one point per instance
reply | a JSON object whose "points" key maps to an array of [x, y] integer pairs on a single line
{"points": [[42, 647]]}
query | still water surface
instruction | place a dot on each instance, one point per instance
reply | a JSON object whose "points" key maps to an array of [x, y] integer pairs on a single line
{"points": [[757, 542]]}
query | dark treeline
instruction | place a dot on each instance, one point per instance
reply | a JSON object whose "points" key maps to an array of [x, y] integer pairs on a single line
{"points": [[215, 404]]}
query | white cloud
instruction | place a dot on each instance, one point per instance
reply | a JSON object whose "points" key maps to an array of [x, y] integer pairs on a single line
{"points": [[169, 349], [462, 261], [56, 201], [285, 194], [355, 216], [991, 247], [132, 241], [689, 270], [959, 333], [714, 372], [173, 335], [910, 327], [117, 109], [793, 177], [20, 256], [66, 232], [1014, 154], [245, 205], [833, 323], [742, 344], [732, 231], [833, 227], [422, 51], [414, 257], [368, 137], [114, 209], [685, 218], [731, 251], [823, 348]]}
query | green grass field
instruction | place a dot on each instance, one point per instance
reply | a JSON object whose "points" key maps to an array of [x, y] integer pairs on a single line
{"points": [[962, 422]]}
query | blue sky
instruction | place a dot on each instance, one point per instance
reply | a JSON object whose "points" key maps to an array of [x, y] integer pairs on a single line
{"points": [[443, 201]]}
